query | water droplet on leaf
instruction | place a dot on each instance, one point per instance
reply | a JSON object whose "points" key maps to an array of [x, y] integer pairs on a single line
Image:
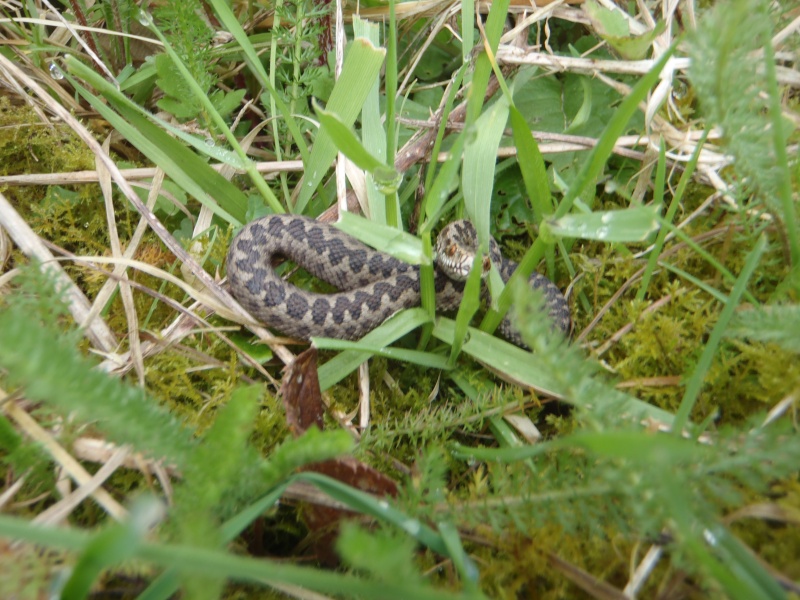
{"points": [[56, 72], [144, 18]]}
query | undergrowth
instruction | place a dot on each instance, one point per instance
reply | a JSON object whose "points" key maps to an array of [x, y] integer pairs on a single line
{"points": [[651, 453]]}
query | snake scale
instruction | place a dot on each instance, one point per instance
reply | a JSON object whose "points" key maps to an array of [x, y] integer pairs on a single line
{"points": [[373, 285]]}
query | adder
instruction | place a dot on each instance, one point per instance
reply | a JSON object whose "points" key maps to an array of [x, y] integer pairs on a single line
{"points": [[373, 285]]}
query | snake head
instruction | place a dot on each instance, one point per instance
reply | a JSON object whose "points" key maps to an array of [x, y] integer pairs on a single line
{"points": [[456, 248]]}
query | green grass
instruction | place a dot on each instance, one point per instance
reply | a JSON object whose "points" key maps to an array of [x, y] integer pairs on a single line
{"points": [[662, 426]]}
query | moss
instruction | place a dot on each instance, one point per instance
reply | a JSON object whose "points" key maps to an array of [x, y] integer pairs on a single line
{"points": [[27, 145], [518, 566], [664, 345]]}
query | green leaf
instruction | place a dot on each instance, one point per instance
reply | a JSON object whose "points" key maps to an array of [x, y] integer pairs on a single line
{"points": [[373, 133], [425, 359], [636, 48], [226, 102], [480, 159], [531, 165], [182, 165], [585, 111], [749, 576], [463, 563], [629, 225], [774, 324], [521, 366], [470, 303], [346, 141], [399, 244], [605, 21], [394, 328], [362, 63], [614, 28], [259, 352], [386, 177], [178, 99], [641, 446]]}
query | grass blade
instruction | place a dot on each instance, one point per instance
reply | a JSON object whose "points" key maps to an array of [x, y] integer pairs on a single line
{"points": [[480, 158], [361, 67], [345, 363], [695, 382], [233, 27], [588, 174], [182, 165]]}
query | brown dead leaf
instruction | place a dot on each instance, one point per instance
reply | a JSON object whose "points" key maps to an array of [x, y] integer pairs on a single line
{"points": [[301, 395], [302, 399], [323, 521]]}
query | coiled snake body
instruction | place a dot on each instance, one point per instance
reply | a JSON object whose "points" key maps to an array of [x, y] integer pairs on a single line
{"points": [[373, 285]]}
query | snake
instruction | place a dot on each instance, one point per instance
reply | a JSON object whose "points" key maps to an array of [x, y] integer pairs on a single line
{"points": [[372, 285]]}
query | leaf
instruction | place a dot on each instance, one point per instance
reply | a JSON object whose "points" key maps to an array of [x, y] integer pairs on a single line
{"points": [[636, 48], [396, 327], [247, 344], [606, 22], [629, 225], [399, 244], [773, 324], [345, 140], [387, 178], [362, 64], [226, 102], [585, 111], [480, 158], [531, 165], [417, 357], [373, 133], [301, 395], [641, 446], [521, 366], [614, 28], [181, 164], [470, 303]]}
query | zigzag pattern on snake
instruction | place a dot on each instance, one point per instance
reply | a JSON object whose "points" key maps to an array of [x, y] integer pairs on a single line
{"points": [[373, 285]]}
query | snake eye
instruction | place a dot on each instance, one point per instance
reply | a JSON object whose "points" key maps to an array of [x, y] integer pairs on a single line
{"points": [[487, 264], [451, 250]]}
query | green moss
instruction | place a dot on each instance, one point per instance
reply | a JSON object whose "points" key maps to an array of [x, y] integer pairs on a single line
{"points": [[27, 145]]}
